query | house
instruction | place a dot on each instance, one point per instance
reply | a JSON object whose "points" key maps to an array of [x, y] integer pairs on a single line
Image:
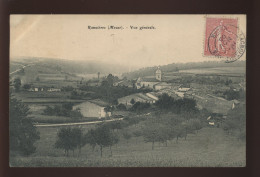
{"points": [[125, 83], [137, 97], [162, 85], [53, 90], [146, 83], [183, 89]]}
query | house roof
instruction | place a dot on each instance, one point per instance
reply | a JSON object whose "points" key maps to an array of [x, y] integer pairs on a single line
{"points": [[145, 97], [183, 89], [147, 79], [163, 84]]}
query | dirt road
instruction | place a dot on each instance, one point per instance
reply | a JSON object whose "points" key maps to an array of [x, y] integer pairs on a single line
{"points": [[78, 123]]}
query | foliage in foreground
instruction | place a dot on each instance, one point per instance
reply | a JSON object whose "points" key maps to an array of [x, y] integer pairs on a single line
{"points": [[22, 132]]}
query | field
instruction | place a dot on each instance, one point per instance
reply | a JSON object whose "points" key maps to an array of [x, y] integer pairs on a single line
{"points": [[218, 70], [210, 147]]}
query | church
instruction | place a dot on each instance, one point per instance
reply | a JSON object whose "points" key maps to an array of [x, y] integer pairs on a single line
{"points": [[151, 82]]}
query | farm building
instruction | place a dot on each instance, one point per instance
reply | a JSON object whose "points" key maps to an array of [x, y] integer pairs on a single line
{"points": [[162, 85], [146, 82], [125, 83], [137, 97], [215, 104]]}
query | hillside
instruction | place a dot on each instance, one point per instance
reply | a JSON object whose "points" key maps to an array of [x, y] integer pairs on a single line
{"points": [[74, 66], [182, 66]]}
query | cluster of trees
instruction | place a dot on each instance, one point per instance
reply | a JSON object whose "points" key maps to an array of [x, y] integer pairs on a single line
{"points": [[17, 84], [105, 135], [109, 81], [139, 107], [231, 94], [67, 89], [64, 109], [165, 129], [23, 134], [235, 122], [168, 103], [70, 139]]}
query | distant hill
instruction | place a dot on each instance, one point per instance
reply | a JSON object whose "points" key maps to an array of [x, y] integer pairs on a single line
{"points": [[181, 66], [76, 66]]}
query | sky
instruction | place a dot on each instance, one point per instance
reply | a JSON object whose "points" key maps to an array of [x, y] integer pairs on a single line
{"points": [[174, 39]]}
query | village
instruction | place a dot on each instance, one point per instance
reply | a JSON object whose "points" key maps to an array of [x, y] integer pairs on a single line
{"points": [[144, 90], [161, 107]]}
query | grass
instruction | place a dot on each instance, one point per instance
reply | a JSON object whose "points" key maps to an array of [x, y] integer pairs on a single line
{"points": [[211, 147]]}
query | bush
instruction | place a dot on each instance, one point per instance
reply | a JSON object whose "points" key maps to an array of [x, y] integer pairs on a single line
{"points": [[121, 107], [139, 107]]}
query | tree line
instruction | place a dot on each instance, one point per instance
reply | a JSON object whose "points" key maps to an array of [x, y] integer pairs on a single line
{"points": [[65, 109]]}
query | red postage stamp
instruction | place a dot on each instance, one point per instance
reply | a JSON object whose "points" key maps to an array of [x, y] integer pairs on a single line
{"points": [[221, 37]]}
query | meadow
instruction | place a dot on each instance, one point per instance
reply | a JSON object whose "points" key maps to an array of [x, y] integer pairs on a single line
{"points": [[210, 147], [217, 70]]}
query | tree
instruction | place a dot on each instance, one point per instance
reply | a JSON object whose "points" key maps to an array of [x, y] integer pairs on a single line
{"points": [[126, 136], [121, 107], [23, 134], [37, 79], [152, 132], [17, 84], [137, 134], [132, 101], [102, 137], [231, 94], [165, 102], [26, 86], [196, 124], [79, 139], [110, 80], [235, 122], [76, 114], [67, 106], [139, 107], [179, 131], [48, 111], [66, 140], [114, 139], [90, 139]]}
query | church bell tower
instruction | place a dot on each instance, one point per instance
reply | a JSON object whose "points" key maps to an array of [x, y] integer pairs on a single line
{"points": [[158, 74]]}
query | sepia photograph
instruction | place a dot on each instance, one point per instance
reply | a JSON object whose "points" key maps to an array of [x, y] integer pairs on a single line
{"points": [[127, 90]]}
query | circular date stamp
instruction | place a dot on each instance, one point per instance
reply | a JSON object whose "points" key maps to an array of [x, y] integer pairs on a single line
{"points": [[224, 39]]}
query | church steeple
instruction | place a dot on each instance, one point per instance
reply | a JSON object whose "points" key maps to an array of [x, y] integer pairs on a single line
{"points": [[158, 74]]}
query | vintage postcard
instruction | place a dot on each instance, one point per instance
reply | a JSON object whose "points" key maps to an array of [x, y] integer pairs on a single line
{"points": [[127, 91]]}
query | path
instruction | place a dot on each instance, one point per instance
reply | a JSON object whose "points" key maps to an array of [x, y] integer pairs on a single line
{"points": [[24, 66], [78, 123]]}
